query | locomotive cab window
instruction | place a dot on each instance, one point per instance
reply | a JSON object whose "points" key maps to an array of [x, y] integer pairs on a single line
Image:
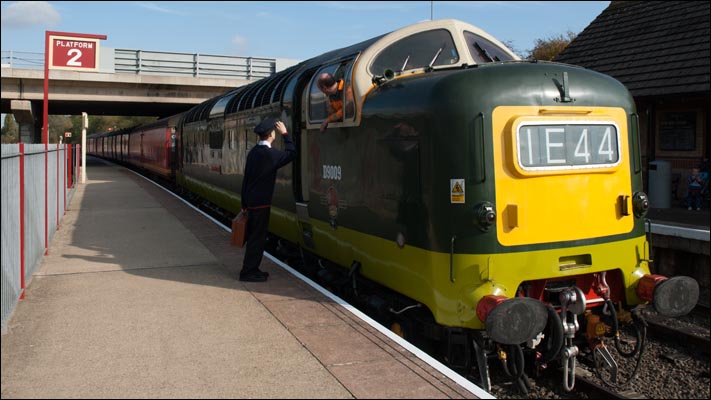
{"points": [[435, 48], [484, 51], [331, 94]]}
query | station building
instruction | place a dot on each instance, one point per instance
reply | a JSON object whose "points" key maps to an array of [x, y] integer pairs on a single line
{"points": [[660, 51]]}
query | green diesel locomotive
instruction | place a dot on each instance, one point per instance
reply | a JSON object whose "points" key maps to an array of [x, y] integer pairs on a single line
{"points": [[495, 204]]}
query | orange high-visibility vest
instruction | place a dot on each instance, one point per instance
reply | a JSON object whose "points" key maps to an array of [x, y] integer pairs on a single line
{"points": [[336, 101]]}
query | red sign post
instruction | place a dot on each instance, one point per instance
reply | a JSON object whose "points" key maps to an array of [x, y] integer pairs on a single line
{"points": [[71, 51]]}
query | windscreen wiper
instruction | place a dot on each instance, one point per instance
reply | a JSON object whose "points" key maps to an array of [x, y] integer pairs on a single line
{"points": [[405, 63], [429, 67], [485, 53]]}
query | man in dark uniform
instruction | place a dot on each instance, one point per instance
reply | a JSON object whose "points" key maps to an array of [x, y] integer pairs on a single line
{"points": [[263, 161]]}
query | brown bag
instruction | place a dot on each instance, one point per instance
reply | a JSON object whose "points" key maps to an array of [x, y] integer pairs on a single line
{"points": [[239, 229]]}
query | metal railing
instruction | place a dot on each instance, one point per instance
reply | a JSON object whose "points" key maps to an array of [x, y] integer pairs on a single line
{"points": [[37, 184], [22, 59], [127, 61], [191, 64]]}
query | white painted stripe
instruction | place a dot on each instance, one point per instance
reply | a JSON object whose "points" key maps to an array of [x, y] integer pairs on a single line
{"points": [[678, 231], [460, 380]]}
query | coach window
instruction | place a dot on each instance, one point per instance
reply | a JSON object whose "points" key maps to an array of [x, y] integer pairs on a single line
{"points": [[321, 105], [420, 50], [484, 51]]}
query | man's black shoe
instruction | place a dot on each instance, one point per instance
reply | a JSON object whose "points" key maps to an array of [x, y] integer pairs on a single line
{"points": [[257, 276]]}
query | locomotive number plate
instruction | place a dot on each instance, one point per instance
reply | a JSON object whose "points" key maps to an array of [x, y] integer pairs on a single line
{"points": [[547, 146]]}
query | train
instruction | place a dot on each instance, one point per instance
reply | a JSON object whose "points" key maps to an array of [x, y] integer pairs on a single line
{"points": [[487, 207]]}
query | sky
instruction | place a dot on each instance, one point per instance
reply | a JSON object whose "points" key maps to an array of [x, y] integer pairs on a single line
{"points": [[295, 30]]}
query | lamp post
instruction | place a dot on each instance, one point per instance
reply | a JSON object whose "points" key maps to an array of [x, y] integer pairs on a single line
{"points": [[84, 125]]}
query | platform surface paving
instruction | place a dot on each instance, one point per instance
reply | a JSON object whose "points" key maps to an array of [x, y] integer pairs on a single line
{"points": [[137, 298]]}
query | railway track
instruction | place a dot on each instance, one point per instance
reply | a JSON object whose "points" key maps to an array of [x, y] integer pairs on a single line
{"points": [[593, 390], [691, 331]]}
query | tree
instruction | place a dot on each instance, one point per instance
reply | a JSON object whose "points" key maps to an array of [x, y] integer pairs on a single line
{"points": [[510, 45], [102, 123], [10, 131], [547, 49], [56, 126]]}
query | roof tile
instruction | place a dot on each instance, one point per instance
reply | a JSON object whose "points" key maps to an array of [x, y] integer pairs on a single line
{"points": [[653, 47]]}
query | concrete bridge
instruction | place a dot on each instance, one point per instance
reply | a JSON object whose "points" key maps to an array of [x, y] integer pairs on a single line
{"points": [[128, 82]]}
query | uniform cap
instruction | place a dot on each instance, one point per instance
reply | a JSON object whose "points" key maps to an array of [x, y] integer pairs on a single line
{"points": [[266, 125]]}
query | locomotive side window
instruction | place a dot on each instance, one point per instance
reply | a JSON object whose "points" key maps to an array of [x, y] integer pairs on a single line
{"points": [[567, 146], [420, 50], [215, 134], [484, 51], [336, 102]]}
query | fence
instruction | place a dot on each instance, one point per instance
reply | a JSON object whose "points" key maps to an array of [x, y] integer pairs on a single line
{"points": [[37, 183]]}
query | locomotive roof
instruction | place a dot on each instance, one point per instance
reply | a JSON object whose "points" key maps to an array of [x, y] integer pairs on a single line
{"points": [[363, 77], [271, 89]]}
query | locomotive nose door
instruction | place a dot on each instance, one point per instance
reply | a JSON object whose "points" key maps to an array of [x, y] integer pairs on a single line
{"points": [[295, 96]]}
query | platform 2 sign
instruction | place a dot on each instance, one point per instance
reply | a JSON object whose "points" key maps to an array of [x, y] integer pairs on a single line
{"points": [[73, 53]]}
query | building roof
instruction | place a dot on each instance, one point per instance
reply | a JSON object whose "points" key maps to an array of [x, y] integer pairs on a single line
{"points": [[655, 48]]}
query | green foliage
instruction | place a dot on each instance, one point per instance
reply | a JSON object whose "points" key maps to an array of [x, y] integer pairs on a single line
{"points": [[101, 124], [547, 49], [10, 130], [512, 47], [59, 124]]}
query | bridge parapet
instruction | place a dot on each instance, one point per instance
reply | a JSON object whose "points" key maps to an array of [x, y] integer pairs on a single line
{"points": [[127, 82], [146, 62], [160, 63]]}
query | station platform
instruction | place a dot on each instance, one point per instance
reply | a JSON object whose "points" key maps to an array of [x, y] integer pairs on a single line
{"points": [[138, 298], [680, 216]]}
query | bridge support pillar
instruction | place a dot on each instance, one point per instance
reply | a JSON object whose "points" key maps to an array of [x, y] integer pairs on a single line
{"points": [[29, 123]]}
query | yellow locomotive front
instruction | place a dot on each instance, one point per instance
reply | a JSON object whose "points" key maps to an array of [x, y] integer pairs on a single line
{"points": [[567, 212], [569, 202]]}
